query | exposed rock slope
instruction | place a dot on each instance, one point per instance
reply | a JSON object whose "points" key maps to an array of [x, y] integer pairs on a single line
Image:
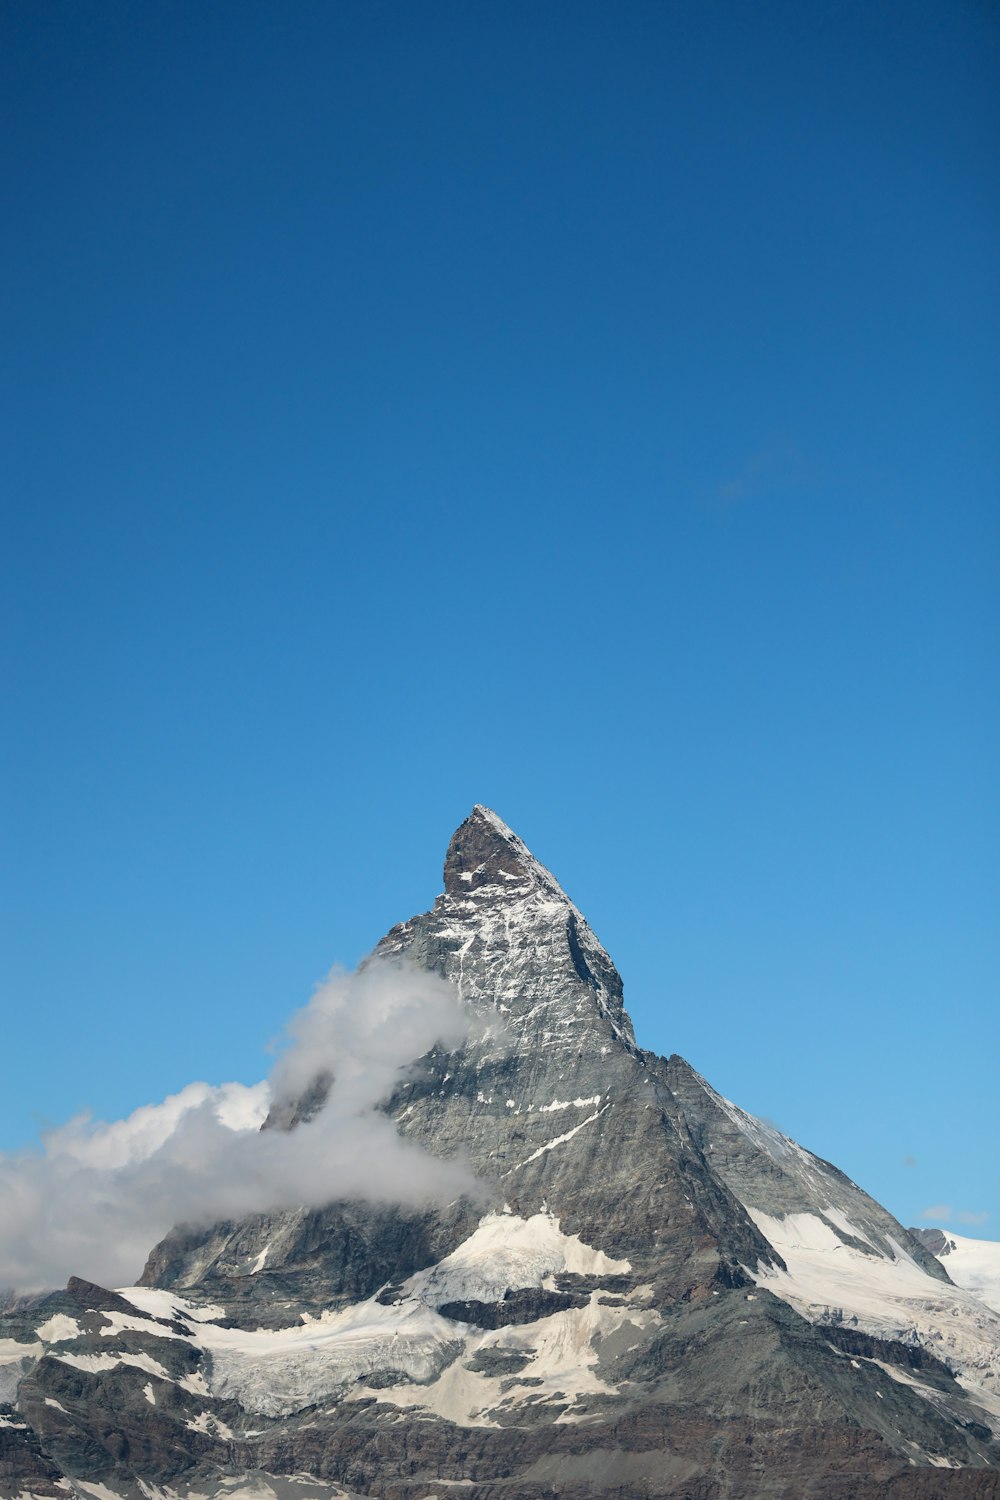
{"points": [[655, 1295]]}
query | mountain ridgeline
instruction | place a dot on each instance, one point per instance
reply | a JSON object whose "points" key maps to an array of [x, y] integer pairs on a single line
{"points": [[653, 1293]]}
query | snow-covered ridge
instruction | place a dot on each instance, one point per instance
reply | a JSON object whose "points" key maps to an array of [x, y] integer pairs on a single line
{"points": [[816, 1176], [792, 1180], [887, 1295], [974, 1265]]}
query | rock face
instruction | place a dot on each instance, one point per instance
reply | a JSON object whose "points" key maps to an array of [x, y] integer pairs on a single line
{"points": [[656, 1295]]}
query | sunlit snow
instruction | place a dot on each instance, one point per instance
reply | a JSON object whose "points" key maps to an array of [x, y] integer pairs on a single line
{"points": [[889, 1296], [974, 1265]]}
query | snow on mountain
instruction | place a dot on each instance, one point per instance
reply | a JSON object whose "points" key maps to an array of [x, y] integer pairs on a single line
{"points": [[507, 1253], [889, 1295], [972, 1264]]}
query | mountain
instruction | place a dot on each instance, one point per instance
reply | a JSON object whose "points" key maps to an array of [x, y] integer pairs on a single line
{"points": [[651, 1294]]}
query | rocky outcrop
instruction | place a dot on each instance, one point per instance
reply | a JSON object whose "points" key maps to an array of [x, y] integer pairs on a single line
{"points": [[934, 1240]]}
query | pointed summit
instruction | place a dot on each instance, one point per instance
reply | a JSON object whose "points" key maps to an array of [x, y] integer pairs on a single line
{"points": [[484, 851], [514, 944]]}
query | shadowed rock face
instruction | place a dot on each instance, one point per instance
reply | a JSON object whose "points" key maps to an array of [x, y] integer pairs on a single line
{"points": [[603, 1321]]}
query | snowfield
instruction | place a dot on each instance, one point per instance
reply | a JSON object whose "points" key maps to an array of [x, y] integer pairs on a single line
{"points": [[278, 1371], [505, 1254], [974, 1265]]}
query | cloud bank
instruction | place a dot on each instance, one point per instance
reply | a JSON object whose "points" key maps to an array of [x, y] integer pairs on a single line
{"points": [[945, 1213], [99, 1195]]}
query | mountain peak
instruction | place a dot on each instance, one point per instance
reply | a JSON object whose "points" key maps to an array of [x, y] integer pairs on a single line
{"points": [[485, 852], [512, 941]]}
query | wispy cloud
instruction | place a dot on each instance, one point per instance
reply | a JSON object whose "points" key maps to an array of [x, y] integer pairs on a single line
{"points": [[776, 467], [946, 1213], [99, 1195]]}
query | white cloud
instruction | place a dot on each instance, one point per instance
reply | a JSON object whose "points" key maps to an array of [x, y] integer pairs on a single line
{"points": [[99, 1195], [945, 1213], [145, 1130]]}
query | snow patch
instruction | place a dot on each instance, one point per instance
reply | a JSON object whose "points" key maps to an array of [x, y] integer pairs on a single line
{"points": [[509, 1253], [160, 1304], [59, 1327], [277, 1371], [93, 1363], [129, 1323], [562, 1354], [839, 1220], [209, 1425], [558, 1140], [11, 1351], [559, 1104]]}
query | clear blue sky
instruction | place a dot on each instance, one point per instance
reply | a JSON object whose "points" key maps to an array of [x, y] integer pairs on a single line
{"points": [[586, 409]]}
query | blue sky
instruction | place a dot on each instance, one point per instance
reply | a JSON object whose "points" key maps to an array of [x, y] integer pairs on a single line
{"points": [[585, 409]]}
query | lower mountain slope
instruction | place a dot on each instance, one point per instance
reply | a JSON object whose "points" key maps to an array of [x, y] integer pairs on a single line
{"points": [[653, 1294]]}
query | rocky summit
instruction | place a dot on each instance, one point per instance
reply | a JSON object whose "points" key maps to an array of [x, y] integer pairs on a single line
{"points": [[652, 1294]]}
